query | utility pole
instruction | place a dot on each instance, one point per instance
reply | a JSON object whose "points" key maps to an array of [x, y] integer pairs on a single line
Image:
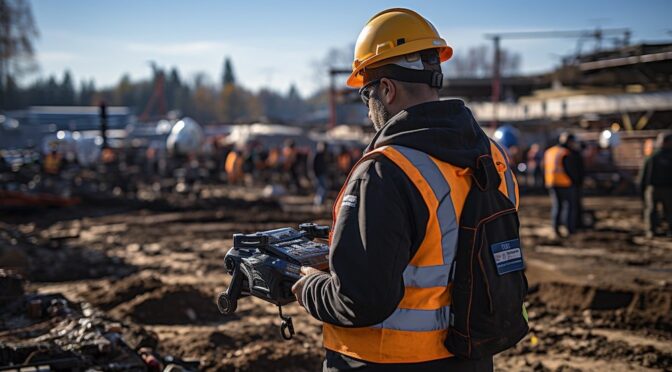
{"points": [[496, 83], [332, 93], [103, 123]]}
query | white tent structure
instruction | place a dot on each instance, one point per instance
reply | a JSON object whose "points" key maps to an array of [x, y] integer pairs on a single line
{"points": [[268, 134], [185, 137]]}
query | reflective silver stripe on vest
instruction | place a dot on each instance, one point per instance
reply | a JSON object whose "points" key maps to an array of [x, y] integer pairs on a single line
{"points": [[445, 212], [417, 320], [426, 276], [508, 175]]}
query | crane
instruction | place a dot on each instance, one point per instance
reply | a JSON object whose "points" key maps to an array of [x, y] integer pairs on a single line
{"points": [[158, 97]]}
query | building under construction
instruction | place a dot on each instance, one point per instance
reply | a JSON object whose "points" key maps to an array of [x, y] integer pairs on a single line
{"points": [[631, 86]]}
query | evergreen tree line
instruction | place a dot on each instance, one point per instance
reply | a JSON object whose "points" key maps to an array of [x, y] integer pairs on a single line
{"points": [[222, 102]]}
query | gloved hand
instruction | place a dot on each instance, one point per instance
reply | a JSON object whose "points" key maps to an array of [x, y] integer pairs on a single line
{"points": [[297, 288]]}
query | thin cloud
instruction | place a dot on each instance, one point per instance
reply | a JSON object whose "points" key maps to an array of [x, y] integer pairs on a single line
{"points": [[176, 49]]}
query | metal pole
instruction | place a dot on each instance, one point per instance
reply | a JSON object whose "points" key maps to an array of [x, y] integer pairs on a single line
{"points": [[103, 123], [496, 84]]}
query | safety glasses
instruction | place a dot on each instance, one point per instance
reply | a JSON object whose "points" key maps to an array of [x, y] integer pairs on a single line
{"points": [[365, 91]]}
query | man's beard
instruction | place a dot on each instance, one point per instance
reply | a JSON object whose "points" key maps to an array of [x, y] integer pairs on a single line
{"points": [[379, 115]]}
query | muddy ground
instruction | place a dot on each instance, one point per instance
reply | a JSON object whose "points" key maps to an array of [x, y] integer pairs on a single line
{"points": [[600, 300]]}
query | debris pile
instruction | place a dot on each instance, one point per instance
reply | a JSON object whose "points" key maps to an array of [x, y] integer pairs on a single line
{"points": [[46, 256], [47, 331]]}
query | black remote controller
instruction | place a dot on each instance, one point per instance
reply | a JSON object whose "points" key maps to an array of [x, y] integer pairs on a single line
{"points": [[268, 263]]}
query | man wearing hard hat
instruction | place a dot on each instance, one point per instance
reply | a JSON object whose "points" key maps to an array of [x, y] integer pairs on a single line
{"points": [[386, 302]]}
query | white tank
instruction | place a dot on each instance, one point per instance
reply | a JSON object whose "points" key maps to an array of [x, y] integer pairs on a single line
{"points": [[88, 150], [186, 137]]}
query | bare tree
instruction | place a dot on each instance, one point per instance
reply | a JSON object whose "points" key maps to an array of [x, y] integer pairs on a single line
{"points": [[17, 33], [340, 58], [476, 62]]}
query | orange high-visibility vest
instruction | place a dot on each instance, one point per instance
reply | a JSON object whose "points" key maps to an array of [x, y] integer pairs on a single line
{"points": [[108, 155], [344, 161], [233, 166], [417, 328], [289, 155], [554, 170], [273, 158], [52, 163]]}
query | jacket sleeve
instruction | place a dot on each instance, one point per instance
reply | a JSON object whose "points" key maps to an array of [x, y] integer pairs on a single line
{"points": [[374, 238], [572, 166]]}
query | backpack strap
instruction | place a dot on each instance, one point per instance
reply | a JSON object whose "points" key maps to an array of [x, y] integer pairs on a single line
{"points": [[485, 176]]}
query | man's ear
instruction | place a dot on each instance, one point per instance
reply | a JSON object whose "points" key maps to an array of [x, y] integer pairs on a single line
{"points": [[388, 90]]}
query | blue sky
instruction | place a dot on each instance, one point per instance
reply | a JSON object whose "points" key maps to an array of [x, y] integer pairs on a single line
{"points": [[277, 43]]}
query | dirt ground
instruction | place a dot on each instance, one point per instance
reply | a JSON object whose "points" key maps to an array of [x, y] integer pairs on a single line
{"points": [[600, 300]]}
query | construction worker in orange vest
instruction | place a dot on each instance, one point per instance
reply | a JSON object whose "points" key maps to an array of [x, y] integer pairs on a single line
{"points": [[563, 175], [385, 302], [233, 166], [52, 161]]}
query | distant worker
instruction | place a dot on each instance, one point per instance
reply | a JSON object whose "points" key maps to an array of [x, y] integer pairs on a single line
{"points": [[5, 166], [563, 176], [397, 296], [52, 161], [343, 163], [656, 184], [535, 156], [233, 166], [649, 147], [108, 156], [273, 159], [290, 164], [249, 156], [288, 155], [150, 161], [578, 151], [319, 169]]}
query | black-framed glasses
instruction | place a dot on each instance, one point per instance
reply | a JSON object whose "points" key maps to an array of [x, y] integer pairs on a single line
{"points": [[365, 91]]}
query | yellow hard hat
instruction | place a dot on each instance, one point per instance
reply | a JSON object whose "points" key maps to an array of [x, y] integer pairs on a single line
{"points": [[392, 33]]}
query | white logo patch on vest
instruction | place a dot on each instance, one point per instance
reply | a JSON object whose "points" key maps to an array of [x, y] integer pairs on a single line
{"points": [[349, 201]]}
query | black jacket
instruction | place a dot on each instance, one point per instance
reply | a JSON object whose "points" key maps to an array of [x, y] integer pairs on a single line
{"points": [[375, 239], [657, 170], [573, 164], [319, 163]]}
